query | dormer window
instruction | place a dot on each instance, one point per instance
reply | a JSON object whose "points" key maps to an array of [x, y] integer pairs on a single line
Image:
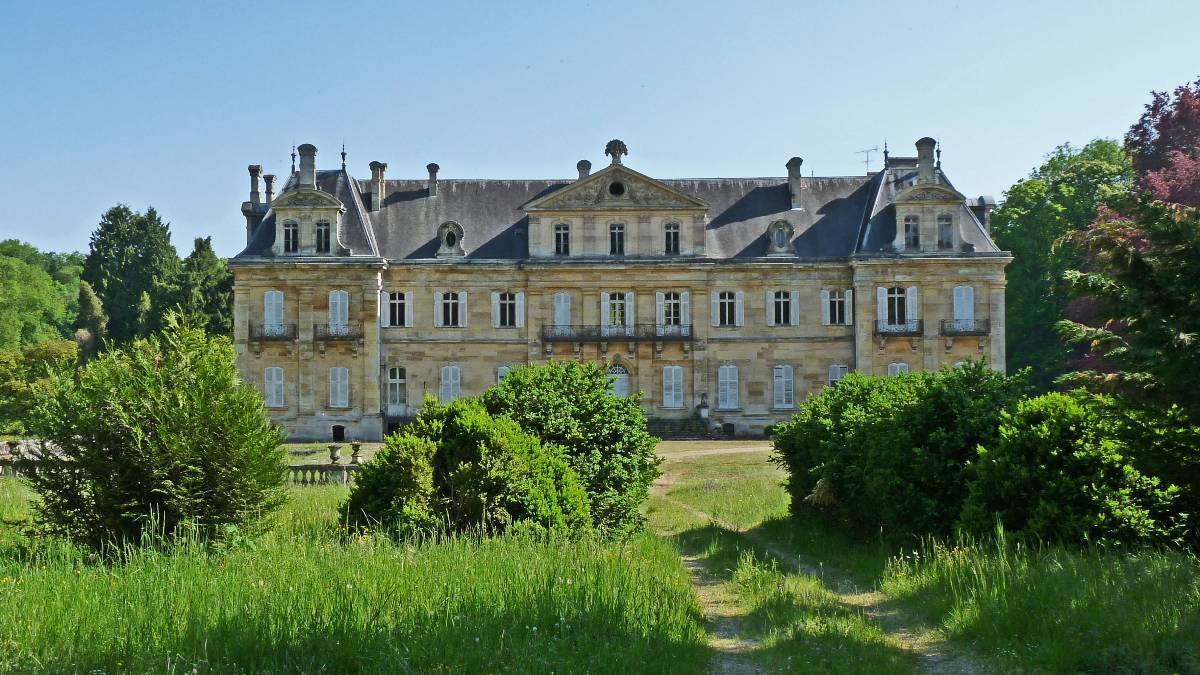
{"points": [[291, 237], [671, 236], [562, 239], [779, 238], [450, 238], [912, 231], [323, 236], [945, 224]]}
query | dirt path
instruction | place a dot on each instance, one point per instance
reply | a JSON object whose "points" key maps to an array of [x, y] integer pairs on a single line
{"points": [[724, 625]]}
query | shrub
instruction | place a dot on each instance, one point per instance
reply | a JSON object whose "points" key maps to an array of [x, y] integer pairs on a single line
{"points": [[162, 431], [458, 464], [604, 436], [891, 453], [1060, 471]]}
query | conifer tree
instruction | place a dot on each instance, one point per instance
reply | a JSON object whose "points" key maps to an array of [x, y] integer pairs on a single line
{"points": [[206, 289]]}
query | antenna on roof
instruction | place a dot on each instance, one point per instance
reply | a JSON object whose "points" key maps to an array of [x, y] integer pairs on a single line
{"points": [[868, 152], [343, 155]]}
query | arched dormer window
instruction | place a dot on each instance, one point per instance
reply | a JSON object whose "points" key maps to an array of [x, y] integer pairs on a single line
{"points": [[945, 229], [912, 231], [779, 238], [291, 237], [450, 238]]}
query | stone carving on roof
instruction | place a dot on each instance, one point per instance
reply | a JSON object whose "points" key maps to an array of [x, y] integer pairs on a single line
{"points": [[616, 187], [930, 193], [615, 149], [306, 198]]}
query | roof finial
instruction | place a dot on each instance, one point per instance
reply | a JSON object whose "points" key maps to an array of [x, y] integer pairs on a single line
{"points": [[293, 158], [615, 149], [885, 152], [343, 155], [939, 153]]}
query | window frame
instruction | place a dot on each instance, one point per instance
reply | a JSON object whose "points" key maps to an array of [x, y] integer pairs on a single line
{"points": [[841, 369], [781, 307], [450, 388], [837, 307], [675, 375], [323, 236], [398, 309], [506, 304], [291, 236], [897, 368], [945, 220], [728, 395], [397, 383], [616, 239], [783, 389], [342, 392], [450, 308], [727, 309], [562, 239], [273, 388], [912, 231], [897, 306], [671, 238]]}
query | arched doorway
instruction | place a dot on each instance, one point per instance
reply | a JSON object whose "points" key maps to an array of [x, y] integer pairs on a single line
{"points": [[619, 382]]}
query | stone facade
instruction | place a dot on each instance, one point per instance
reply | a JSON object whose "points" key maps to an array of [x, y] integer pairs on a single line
{"points": [[727, 299]]}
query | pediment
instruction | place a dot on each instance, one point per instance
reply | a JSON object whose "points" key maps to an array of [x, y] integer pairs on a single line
{"points": [[930, 193], [307, 198], [637, 191]]}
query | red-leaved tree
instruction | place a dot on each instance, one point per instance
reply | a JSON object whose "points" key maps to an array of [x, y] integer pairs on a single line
{"points": [[1165, 145]]}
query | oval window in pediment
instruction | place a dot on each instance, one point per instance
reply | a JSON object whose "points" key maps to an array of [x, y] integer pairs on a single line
{"points": [[616, 188]]}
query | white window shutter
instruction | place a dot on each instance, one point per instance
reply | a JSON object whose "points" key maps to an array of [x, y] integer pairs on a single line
{"points": [[849, 307], [455, 381], [604, 311], [437, 309], [667, 383], [409, 310], [495, 309], [685, 310], [794, 310], [714, 304], [740, 308], [733, 385], [444, 385], [630, 312], [385, 309], [463, 313], [659, 301], [770, 307], [833, 373], [964, 303], [881, 310], [911, 308], [824, 307], [520, 309]]}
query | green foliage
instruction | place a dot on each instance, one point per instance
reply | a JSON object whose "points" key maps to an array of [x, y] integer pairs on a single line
{"points": [[1060, 197], [1059, 471], [153, 437], [91, 325], [133, 267], [32, 308], [460, 465], [63, 268], [205, 288], [21, 370], [891, 454], [604, 436]]}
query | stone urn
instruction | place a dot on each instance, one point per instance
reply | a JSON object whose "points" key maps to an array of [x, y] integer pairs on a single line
{"points": [[356, 452], [335, 453], [702, 409]]}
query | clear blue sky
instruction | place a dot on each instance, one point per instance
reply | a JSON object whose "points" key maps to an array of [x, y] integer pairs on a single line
{"points": [[165, 103]]}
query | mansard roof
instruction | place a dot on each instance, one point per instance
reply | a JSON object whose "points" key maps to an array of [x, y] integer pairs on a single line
{"points": [[897, 183], [356, 231]]}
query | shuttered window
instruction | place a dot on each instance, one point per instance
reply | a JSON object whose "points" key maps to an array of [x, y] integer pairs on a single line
{"points": [[727, 387], [339, 387], [784, 393], [450, 387], [673, 387], [273, 387]]}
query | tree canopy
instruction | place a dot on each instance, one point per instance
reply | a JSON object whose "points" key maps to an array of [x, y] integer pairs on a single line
{"points": [[205, 288]]}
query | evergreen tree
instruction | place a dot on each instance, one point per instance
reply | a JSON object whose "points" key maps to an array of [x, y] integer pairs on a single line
{"points": [[92, 323], [206, 289], [131, 259]]}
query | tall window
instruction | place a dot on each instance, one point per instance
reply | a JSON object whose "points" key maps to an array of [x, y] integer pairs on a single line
{"points": [[339, 312], [727, 387], [450, 387], [727, 309], [897, 306], [616, 239], [339, 387], [673, 387], [398, 308], [945, 231], [781, 308], [672, 310], [506, 310], [291, 237], [322, 236], [898, 368], [616, 309], [837, 308], [964, 308], [273, 313], [273, 387], [501, 371], [451, 309], [836, 372], [783, 387], [912, 231], [562, 239], [619, 382], [671, 234], [397, 389]]}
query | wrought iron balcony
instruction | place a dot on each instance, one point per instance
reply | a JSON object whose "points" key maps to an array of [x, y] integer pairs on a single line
{"points": [[345, 331], [965, 327], [638, 332], [911, 328], [273, 331]]}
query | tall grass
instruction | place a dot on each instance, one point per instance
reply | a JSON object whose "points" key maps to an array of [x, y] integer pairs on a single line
{"points": [[303, 598], [1059, 609]]}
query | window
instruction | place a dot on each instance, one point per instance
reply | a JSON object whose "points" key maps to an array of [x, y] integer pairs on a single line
{"points": [[619, 381], [508, 310], [451, 384], [964, 308], [339, 387], [898, 368], [671, 234], [273, 313], [616, 188], [837, 307], [672, 313], [945, 224], [322, 236], [673, 387], [397, 309], [912, 231], [727, 387], [562, 239], [727, 308], [616, 313], [397, 390], [897, 306], [836, 372], [780, 238], [783, 387], [780, 309], [291, 237], [339, 312], [501, 371], [273, 387], [451, 310], [616, 239], [562, 313]]}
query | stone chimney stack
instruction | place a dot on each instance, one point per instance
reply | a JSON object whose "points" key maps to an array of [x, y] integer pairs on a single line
{"points": [[270, 180], [433, 169], [377, 185], [925, 170], [585, 168], [256, 174], [793, 169], [308, 166]]}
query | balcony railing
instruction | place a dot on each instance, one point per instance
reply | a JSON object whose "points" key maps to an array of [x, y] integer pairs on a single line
{"points": [[332, 331], [911, 328], [965, 327], [273, 331], [638, 332]]}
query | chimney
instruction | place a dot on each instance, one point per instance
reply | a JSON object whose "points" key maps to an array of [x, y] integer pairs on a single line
{"points": [[433, 169], [984, 206], [255, 176], [377, 185], [925, 173], [270, 179], [793, 169], [585, 168], [308, 166]]}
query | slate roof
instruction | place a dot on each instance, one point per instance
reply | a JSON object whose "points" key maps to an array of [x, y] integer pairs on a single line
{"points": [[879, 231]]}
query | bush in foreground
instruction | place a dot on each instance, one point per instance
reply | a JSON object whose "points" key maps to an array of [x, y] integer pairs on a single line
{"points": [[161, 432], [604, 436], [459, 465]]}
